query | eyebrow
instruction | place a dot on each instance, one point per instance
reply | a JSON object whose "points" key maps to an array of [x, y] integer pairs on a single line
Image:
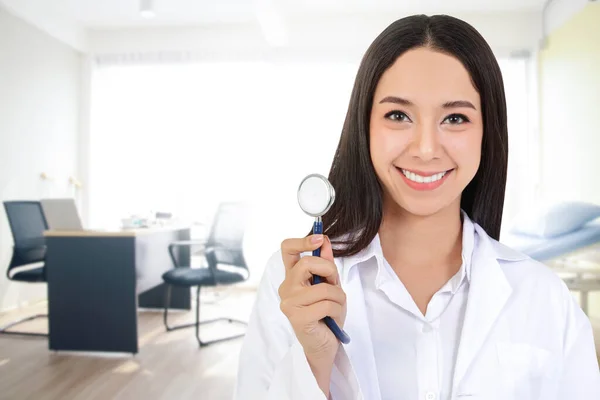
{"points": [[448, 104]]}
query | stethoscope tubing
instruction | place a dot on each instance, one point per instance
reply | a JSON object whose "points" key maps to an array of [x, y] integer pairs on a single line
{"points": [[331, 324]]}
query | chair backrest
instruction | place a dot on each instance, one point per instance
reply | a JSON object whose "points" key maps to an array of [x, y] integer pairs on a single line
{"points": [[27, 224], [226, 237]]}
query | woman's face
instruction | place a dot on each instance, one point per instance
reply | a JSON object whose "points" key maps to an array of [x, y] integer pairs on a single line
{"points": [[425, 131]]}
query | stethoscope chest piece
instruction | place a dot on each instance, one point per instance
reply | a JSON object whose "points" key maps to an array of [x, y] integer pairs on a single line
{"points": [[315, 195]]}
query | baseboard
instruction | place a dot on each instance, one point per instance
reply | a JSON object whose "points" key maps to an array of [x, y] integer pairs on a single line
{"points": [[24, 304]]}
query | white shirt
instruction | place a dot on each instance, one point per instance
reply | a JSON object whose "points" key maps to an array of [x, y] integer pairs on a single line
{"points": [[522, 337], [415, 354]]}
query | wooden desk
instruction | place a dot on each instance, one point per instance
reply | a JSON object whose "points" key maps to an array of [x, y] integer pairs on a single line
{"points": [[98, 279]]}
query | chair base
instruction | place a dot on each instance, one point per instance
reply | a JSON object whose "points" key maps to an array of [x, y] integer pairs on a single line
{"points": [[4, 329], [198, 323]]}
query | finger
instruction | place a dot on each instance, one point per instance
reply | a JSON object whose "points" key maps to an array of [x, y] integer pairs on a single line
{"points": [[317, 293], [316, 312], [292, 248], [326, 249], [308, 266]]}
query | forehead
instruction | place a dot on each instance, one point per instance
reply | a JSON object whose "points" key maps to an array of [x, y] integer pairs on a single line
{"points": [[427, 75]]}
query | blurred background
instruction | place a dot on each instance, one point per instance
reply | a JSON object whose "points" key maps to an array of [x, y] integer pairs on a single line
{"points": [[160, 122]]}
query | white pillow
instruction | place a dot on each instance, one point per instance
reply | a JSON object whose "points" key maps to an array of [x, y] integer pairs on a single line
{"points": [[557, 219]]}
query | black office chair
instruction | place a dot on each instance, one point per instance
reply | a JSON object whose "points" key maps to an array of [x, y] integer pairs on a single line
{"points": [[27, 223], [223, 247]]}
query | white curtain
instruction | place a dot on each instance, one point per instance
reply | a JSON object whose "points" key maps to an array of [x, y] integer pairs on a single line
{"points": [[182, 137], [523, 143]]}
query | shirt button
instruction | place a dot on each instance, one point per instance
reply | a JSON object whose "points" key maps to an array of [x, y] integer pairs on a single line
{"points": [[426, 329], [430, 396]]}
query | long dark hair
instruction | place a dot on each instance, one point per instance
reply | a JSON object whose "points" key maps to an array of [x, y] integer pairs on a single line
{"points": [[355, 217]]}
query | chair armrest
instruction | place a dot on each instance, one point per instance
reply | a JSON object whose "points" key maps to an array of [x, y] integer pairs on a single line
{"points": [[198, 244], [188, 243], [213, 247], [185, 243]]}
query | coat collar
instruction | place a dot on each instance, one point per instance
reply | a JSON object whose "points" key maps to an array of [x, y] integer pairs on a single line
{"points": [[488, 293]]}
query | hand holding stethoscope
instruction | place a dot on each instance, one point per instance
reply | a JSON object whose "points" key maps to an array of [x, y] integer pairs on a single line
{"points": [[311, 291], [315, 197]]}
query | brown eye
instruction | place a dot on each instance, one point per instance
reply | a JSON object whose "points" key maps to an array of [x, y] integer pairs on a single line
{"points": [[397, 116], [456, 119]]}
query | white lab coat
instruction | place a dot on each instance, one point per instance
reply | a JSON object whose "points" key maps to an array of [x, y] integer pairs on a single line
{"points": [[523, 338]]}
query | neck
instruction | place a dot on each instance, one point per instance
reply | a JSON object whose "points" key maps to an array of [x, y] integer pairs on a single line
{"points": [[412, 241]]}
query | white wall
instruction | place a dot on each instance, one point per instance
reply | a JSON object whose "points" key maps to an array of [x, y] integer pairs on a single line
{"points": [[39, 106], [569, 104], [48, 18]]}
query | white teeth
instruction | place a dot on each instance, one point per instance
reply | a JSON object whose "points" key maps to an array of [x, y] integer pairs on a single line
{"points": [[423, 179]]}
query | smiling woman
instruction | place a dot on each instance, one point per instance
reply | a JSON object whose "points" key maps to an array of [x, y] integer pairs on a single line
{"points": [[412, 268]]}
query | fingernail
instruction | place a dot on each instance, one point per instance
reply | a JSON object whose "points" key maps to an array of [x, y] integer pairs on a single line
{"points": [[316, 239]]}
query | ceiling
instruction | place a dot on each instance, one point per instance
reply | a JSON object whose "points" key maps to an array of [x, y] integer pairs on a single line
{"points": [[107, 14], [89, 25]]}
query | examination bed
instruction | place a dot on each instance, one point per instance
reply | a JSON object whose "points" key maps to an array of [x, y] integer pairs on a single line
{"points": [[574, 256]]}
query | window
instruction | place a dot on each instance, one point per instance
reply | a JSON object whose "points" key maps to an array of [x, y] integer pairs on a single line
{"points": [[182, 137], [523, 146]]}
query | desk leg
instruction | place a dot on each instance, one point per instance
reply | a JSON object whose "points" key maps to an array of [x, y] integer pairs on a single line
{"points": [[91, 294]]}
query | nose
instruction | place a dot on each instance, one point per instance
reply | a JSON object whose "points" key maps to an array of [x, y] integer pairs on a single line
{"points": [[426, 142]]}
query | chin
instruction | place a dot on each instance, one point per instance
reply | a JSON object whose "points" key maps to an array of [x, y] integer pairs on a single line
{"points": [[424, 207], [422, 210]]}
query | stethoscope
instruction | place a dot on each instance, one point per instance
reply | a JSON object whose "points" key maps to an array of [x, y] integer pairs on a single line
{"points": [[315, 197]]}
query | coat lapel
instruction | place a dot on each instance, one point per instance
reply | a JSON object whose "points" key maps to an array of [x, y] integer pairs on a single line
{"points": [[488, 293], [360, 349]]}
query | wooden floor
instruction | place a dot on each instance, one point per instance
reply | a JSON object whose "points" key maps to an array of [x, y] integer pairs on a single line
{"points": [[168, 366]]}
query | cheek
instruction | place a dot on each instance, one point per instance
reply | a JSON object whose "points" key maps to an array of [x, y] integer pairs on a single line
{"points": [[386, 145], [466, 151], [378, 149]]}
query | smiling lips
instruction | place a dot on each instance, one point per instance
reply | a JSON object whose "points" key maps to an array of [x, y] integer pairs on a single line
{"points": [[419, 180]]}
